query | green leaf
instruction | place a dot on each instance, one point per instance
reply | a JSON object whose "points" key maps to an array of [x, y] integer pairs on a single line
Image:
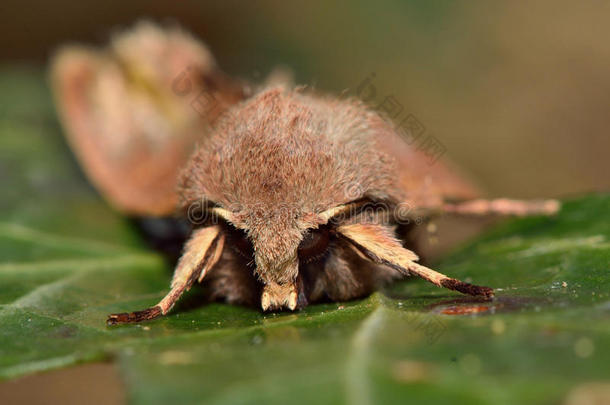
{"points": [[67, 261]]}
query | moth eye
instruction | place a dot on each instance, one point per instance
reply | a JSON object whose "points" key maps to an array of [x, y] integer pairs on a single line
{"points": [[314, 244], [238, 240]]}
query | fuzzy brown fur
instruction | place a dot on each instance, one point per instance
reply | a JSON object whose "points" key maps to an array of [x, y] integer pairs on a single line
{"points": [[279, 159]]}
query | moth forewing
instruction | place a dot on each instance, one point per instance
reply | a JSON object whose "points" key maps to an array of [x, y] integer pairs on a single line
{"points": [[201, 253], [377, 244], [134, 110]]}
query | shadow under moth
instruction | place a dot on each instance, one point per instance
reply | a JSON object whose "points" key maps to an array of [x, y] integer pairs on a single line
{"points": [[293, 197]]}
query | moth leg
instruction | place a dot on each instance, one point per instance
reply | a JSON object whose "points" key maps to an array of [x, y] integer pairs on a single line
{"points": [[376, 243], [503, 206], [201, 253]]}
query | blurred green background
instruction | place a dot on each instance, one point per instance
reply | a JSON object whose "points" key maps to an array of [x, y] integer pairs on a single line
{"points": [[517, 92]]}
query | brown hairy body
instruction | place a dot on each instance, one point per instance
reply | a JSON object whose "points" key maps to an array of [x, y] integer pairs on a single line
{"points": [[294, 197]]}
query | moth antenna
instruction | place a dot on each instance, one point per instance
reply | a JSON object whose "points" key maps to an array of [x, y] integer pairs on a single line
{"points": [[201, 253], [504, 206], [377, 244]]}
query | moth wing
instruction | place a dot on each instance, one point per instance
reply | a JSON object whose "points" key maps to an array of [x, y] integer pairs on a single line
{"points": [[428, 186], [133, 111], [424, 181]]}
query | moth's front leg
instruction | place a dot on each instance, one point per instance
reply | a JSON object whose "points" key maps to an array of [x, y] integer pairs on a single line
{"points": [[201, 253], [376, 243]]}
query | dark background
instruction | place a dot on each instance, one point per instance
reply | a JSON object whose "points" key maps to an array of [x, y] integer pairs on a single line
{"points": [[517, 92]]}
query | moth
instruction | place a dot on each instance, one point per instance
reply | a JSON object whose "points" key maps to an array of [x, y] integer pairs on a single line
{"points": [[293, 197]]}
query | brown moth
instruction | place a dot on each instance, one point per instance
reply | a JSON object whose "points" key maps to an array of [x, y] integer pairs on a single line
{"points": [[294, 197]]}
